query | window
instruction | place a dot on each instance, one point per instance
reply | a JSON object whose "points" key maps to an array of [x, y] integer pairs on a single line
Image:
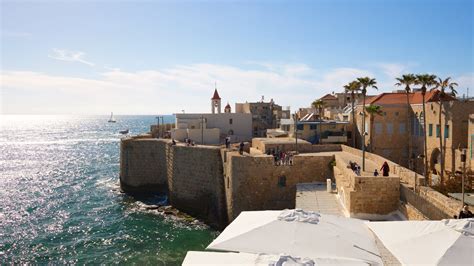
{"points": [[446, 131], [300, 127], [397, 113], [312, 127], [401, 128], [389, 128], [430, 130], [282, 181], [438, 131], [230, 121], [378, 128]]}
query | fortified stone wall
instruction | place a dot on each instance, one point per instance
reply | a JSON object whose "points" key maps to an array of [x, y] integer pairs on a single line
{"points": [[366, 197], [143, 165], [196, 184], [288, 144], [255, 183], [410, 212], [430, 203], [406, 175]]}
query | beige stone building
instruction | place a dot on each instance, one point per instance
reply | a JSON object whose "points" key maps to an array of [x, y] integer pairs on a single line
{"points": [[214, 127], [265, 115], [390, 130]]}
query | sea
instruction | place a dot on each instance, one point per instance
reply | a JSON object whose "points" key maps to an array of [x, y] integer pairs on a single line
{"points": [[60, 200]]}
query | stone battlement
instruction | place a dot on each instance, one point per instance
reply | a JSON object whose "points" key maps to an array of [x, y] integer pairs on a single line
{"points": [[215, 184]]}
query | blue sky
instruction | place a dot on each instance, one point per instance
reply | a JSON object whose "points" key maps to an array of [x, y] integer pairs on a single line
{"points": [[148, 57]]}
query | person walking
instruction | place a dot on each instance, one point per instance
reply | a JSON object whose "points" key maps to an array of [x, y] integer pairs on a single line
{"points": [[227, 142], [385, 169], [465, 213], [241, 148], [376, 173]]}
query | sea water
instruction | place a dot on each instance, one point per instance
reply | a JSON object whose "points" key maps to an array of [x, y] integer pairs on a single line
{"points": [[60, 200]]}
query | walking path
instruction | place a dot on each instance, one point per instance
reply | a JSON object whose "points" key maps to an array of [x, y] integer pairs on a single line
{"points": [[313, 197]]}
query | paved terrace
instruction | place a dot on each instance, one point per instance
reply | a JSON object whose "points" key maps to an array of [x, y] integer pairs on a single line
{"points": [[314, 197]]}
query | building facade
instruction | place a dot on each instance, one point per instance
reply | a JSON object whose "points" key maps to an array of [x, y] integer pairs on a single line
{"points": [[214, 127], [389, 130], [265, 115]]}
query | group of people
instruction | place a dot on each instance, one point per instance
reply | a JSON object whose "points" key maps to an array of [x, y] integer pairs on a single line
{"points": [[356, 168], [281, 157], [189, 142]]}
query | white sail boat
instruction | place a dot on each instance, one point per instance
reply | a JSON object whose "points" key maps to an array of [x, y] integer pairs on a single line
{"points": [[112, 119]]}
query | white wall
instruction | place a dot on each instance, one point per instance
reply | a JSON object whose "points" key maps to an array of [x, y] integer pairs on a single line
{"points": [[241, 124]]}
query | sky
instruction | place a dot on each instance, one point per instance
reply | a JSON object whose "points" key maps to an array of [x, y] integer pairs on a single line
{"points": [[162, 57]]}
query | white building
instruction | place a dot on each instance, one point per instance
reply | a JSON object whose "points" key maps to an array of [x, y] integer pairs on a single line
{"points": [[214, 127]]}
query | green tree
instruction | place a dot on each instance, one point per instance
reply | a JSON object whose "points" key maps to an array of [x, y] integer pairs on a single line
{"points": [[319, 105], [365, 83], [353, 88], [442, 85], [372, 110], [407, 81], [426, 81]]}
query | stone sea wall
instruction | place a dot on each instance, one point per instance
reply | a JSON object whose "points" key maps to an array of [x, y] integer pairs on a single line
{"points": [[143, 165], [195, 182], [256, 183]]}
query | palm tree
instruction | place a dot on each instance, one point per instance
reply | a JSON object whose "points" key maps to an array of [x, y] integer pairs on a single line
{"points": [[425, 80], [353, 87], [407, 80], [443, 85], [365, 83], [319, 104], [372, 110]]}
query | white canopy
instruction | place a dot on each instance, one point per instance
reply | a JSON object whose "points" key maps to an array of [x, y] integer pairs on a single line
{"points": [[446, 242], [198, 258], [299, 233]]}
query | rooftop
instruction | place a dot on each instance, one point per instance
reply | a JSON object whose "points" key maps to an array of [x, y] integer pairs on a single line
{"points": [[387, 98], [216, 95]]}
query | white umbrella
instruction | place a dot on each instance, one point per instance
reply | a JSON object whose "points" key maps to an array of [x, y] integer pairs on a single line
{"points": [[198, 258], [446, 242], [299, 233]]}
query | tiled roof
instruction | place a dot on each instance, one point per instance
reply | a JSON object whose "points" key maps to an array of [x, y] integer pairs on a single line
{"points": [[328, 97], [227, 106], [216, 95], [401, 98]]}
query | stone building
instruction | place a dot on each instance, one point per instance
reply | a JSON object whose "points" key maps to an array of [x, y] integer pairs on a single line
{"points": [[390, 133], [214, 127], [336, 105], [265, 115]]}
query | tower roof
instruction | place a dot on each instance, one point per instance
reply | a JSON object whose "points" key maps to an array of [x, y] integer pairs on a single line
{"points": [[227, 106], [216, 95]]}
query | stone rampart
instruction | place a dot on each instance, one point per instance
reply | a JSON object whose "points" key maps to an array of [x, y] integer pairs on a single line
{"points": [[288, 144], [430, 203], [406, 175], [256, 183], [366, 197], [196, 184], [143, 165]]}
